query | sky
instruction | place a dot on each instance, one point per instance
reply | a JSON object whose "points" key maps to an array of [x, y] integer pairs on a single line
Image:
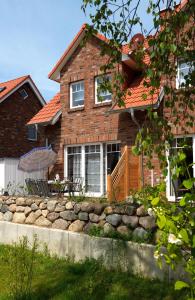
{"points": [[33, 36]]}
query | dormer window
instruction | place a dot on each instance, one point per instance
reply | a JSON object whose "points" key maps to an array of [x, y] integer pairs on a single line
{"points": [[102, 96], [23, 94], [183, 70], [77, 94], [2, 88]]}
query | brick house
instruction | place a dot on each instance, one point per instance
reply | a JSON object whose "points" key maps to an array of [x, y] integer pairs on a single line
{"points": [[20, 99], [90, 136]]}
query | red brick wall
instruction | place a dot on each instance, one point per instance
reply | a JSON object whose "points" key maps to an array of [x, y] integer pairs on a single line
{"points": [[15, 112], [89, 124]]}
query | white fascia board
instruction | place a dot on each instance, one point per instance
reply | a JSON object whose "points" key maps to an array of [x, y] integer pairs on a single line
{"points": [[56, 74], [32, 85]]}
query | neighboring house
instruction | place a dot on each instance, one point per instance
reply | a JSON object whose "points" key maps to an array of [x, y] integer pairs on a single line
{"points": [[90, 136], [20, 99]]}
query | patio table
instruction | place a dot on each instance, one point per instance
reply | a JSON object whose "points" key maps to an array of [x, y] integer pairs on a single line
{"points": [[60, 187]]}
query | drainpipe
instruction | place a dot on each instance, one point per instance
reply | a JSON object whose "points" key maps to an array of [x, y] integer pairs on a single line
{"points": [[132, 113]]}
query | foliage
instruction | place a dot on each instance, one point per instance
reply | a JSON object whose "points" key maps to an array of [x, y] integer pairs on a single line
{"points": [[60, 279], [157, 58], [21, 263]]}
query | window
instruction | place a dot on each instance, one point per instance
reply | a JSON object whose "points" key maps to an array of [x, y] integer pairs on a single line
{"points": [[100, 95], [184, 145], [113, 155], [183, 70], [32, 132], [2, 88], [23, 93], [77, 94], [92, 168], [74, 162]]}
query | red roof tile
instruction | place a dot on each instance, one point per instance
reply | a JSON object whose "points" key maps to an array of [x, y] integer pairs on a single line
{"points": [[48, 112], [134, 99], [11, 85]]}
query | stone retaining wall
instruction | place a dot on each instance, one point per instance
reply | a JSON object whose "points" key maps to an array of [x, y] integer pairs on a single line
{"points": [[63, 214]]}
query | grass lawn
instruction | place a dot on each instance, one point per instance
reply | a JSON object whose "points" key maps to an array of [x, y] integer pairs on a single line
{"points": [[60, 279]]}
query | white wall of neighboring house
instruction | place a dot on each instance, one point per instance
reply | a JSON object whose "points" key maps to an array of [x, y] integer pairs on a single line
{"points": [[14, 178]]}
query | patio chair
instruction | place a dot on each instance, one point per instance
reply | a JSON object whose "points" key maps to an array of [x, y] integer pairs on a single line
{"points": [[43, 188], [31, 186], [75, 186]]}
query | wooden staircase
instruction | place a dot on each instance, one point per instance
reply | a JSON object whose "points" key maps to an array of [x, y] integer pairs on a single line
{"points": [[125, 177]]}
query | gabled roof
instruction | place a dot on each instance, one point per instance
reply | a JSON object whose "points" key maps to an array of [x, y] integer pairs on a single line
{"points": [[9, 87], [134, 96], [49, 114], [54, 74]]}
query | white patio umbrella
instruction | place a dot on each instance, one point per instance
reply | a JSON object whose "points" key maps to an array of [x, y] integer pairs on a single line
{"points": [[37, 159]]}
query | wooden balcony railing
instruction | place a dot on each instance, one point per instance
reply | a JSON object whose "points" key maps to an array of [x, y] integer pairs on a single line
{"points": [[124, 177]]}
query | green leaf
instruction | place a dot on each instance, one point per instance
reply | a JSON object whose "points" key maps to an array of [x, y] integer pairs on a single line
{"points": [[182, 202], [161, 221], [155, 201], [183, 233], [180, 285], [188, 184]]}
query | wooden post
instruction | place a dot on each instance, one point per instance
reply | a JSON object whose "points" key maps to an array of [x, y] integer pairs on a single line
{"points": [[127, 177], [109, 187]]}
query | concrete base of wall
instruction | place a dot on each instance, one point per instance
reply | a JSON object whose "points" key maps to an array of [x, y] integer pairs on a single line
{"points": [[127, 256]]}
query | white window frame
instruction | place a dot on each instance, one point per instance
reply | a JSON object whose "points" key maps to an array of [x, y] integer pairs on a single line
{"points": [[178, 83], [71, 98], [168, 178], [31, 139], [90, 194], [96, 88]]}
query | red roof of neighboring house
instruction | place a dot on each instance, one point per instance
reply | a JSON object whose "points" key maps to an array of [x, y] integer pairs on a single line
{"points": [[134, 99], [11, 85], [48, 112]]}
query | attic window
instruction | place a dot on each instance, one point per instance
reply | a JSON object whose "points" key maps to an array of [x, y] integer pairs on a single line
{"points": [[23, 93], [2, 88]]}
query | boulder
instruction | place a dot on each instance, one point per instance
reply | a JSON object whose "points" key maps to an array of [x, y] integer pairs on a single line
{"points": [[20, 208], [147, 222], [29, 201], [68, 215], [45, 213], [31, 218], [52, 216], [87, 207], [141, 211], [59, 208], [140, 233], [132, 221], [77, 208], [124, 230], [98, 208], [41, 221], [70, 205], [109, 210], [38, 201], [94, 218], [10, 201], [83, 216], [12, 207], [76, 226], [38, 213], [21, 201], [4, 208], [1, 216], [42, 205], [8, 216], [51, 205], [89, 226], [60, 224], [114, 219], [101, 223], [34, 206], [27, 210], [108, 228], [129, 210], [19, 217], [102, 217]]}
